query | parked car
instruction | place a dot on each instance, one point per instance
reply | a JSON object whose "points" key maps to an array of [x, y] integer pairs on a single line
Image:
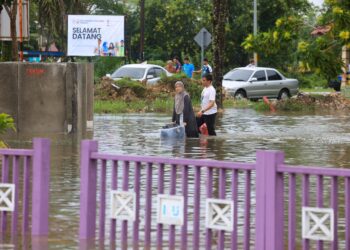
{"points": [[140, 72], [256, 82]]}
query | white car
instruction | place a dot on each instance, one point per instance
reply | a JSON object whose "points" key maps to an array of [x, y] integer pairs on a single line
{"points": [[256, 82], [149, 73]]}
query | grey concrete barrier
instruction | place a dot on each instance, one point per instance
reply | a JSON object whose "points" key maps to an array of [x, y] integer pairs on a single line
{"points": [[47, 97], [9, 89]]}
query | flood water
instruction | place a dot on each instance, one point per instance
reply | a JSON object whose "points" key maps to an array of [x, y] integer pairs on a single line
{"points": [[306, 139]]}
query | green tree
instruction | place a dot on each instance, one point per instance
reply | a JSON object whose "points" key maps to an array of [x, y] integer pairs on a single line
{"points": [[240, 24], [53, 21], [170, 26], [321, 53]]}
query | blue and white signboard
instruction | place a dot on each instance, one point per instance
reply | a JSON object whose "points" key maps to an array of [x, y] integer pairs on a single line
{"points": [[170, 210]]}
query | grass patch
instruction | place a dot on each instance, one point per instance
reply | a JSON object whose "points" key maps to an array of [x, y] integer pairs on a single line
{"points": [[165, 106], [102, 107], [240, 104], [306, 103], [246, 104], [161, 105], [292, 105], [120, 106], [311, 90], [261, 106]]}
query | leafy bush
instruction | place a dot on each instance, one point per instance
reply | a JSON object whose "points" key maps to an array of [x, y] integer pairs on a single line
{"points": [[6, 122], [193, 87], [309, 80], [293, 105], [135, 86]]}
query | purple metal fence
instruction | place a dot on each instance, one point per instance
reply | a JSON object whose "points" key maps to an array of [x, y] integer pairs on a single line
{"points": [[266, 202], [34, 174], [148, 179]]}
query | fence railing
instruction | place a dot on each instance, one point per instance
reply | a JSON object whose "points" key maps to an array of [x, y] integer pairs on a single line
{"points": [[157, 202], [30, 172]]}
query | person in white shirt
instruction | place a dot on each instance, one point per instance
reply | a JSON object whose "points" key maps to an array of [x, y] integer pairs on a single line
{"points": [[208, 111]]}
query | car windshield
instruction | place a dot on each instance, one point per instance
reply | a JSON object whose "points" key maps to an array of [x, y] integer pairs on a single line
{"points": [[241, 75], [126, 72]]}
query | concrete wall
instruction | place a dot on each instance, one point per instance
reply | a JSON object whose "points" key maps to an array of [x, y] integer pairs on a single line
{"points": [[47, 97], [9, 89]]}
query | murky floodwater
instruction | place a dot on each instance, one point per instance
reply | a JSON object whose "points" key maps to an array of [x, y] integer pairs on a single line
{"points": [[310, 139]]}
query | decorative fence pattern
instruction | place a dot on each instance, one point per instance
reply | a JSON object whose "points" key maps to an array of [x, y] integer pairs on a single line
{"points": [[244, 206], [33, 167]]}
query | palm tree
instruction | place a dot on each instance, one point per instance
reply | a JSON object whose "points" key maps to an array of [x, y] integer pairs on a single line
{"points": [[53, 21]]}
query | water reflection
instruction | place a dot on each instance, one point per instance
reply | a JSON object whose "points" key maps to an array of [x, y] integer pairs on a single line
{"points": [[308, 139]]}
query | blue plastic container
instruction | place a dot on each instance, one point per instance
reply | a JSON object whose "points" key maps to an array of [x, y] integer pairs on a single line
{"points": [[177, 132]]}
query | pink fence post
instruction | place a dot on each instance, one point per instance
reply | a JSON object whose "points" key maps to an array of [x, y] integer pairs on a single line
{"points": [[269, 201], [41, 180], [88, 185]]}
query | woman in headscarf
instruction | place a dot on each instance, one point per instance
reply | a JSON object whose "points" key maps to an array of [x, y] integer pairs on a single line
{"points": [[183, 111]]}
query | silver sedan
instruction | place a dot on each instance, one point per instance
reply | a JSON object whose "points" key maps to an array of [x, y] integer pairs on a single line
{"points": [[256, 82], [142, 72]]}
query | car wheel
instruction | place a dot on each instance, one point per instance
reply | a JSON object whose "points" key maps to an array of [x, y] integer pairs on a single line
{"points": [[284, 94], [240, 95]]}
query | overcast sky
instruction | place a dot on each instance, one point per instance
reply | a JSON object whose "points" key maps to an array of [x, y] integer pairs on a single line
{"points": [[317, 2]]}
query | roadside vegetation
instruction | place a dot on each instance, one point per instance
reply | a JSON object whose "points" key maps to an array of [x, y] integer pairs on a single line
{"points": [[128, 96]]}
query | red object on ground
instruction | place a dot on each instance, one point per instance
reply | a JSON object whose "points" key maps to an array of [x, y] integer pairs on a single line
{"points": [[266, 100], [204, 129]]}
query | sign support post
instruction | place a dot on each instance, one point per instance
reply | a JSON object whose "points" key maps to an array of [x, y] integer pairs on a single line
{"points": [[203, 39]]}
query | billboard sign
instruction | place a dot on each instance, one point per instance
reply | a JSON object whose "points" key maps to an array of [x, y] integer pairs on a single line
{"points": [[5, 30], [95, 35]]}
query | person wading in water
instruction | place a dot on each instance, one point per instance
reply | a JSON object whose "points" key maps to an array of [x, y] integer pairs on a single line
{"points": [[183, 113]]}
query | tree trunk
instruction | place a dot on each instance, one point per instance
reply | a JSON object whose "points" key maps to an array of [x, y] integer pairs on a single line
{"points": [[13, 24], [219, 21], [12, 13], [63, 26], [142, 29]]}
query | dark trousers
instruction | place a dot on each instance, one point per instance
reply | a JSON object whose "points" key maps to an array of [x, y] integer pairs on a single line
{"points": [[209, 120]]}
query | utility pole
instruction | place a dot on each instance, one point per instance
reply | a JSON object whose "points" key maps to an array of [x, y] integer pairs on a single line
{"points": [[255, 25]]}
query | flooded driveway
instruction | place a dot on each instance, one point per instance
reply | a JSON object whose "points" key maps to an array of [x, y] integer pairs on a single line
{"points": [[308, 139]]}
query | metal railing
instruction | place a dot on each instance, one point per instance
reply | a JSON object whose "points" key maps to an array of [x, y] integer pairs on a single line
{"points": [[267, 208], [30, 170]]}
